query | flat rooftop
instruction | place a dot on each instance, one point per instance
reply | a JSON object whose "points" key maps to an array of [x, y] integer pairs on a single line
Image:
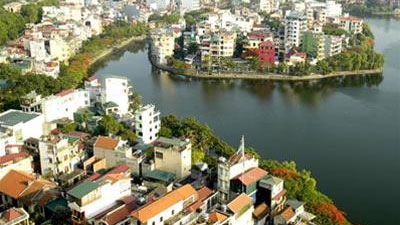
{"points": [[13, 117]]}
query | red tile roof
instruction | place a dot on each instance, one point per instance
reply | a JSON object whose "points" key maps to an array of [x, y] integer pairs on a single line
{"points": [[251, 176], [119, 169], [94, 176], [279, 195], [17, 184], [193, 207], [351, 18], [171, 198], [79, 134], [11, 214], [65, 92], [120, 214], [92, 78], [215, 217], [13, 156], [204, 193], [106, 143], [239, 203], [288, 213]]}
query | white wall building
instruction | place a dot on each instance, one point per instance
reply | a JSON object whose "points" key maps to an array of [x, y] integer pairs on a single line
{"points": [[351, 24], [237, 164], [166, 207], [21, 125], [242, 209], [61, 105], [158, 5], [117, 89], [333, 45], [92, 198], [147, 123], [189, 5], [295, 25], [173, 155], [20, 161], [333, 9]]}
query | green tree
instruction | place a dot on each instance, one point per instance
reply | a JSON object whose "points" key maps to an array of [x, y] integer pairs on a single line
{"points": [[192, 48]]}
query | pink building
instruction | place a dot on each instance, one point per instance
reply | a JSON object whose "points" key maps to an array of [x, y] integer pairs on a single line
{"points": [[266, 52]]}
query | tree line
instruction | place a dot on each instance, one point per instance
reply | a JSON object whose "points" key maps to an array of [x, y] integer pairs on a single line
{"points": [[13, 24]]}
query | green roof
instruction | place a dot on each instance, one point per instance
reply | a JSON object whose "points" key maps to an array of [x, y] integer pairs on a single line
{"points": [[83, 189], [160, 175], [110, 105], [23, 65], [57, 203], [72, 139], [13, 117]]}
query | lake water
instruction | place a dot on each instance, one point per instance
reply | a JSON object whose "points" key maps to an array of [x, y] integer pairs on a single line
{"points": [[348, 135]]}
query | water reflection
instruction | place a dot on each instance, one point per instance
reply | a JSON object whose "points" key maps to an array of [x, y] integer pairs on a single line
{"points": [[310, 93], [117, 54]]}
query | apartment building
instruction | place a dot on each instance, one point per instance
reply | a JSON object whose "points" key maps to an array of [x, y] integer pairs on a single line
{"points": [[333, 45], [219, 44], [21, 125], [173, 155], [59, 154], [237, 164], [165, 208], [351, 24], [58, 106], [117, 152], [189, 5], [163, 44], [147, 123], [21, 161], [117, 90], [92, 198], [295, 25]]}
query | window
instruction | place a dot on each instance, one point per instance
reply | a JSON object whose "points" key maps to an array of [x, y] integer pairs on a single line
{"points": [[161, 219], [173, 212], [159, 155]]}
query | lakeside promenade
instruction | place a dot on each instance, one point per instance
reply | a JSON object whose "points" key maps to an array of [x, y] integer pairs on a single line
{"points": [[259, 76]]}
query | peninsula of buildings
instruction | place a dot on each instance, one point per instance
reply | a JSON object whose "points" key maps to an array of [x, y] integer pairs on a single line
{"points": [[295, 38]]}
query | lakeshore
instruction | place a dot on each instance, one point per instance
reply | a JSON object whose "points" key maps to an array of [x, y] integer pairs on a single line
{"points": [[257, 76], [121, 45]]}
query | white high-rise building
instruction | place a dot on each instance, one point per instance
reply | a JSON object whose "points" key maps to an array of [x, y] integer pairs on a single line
{"points": [[333, 9], [158, 5], [117, 89], [112, 90], [295, 25], [189, 5], [147, 123]]}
